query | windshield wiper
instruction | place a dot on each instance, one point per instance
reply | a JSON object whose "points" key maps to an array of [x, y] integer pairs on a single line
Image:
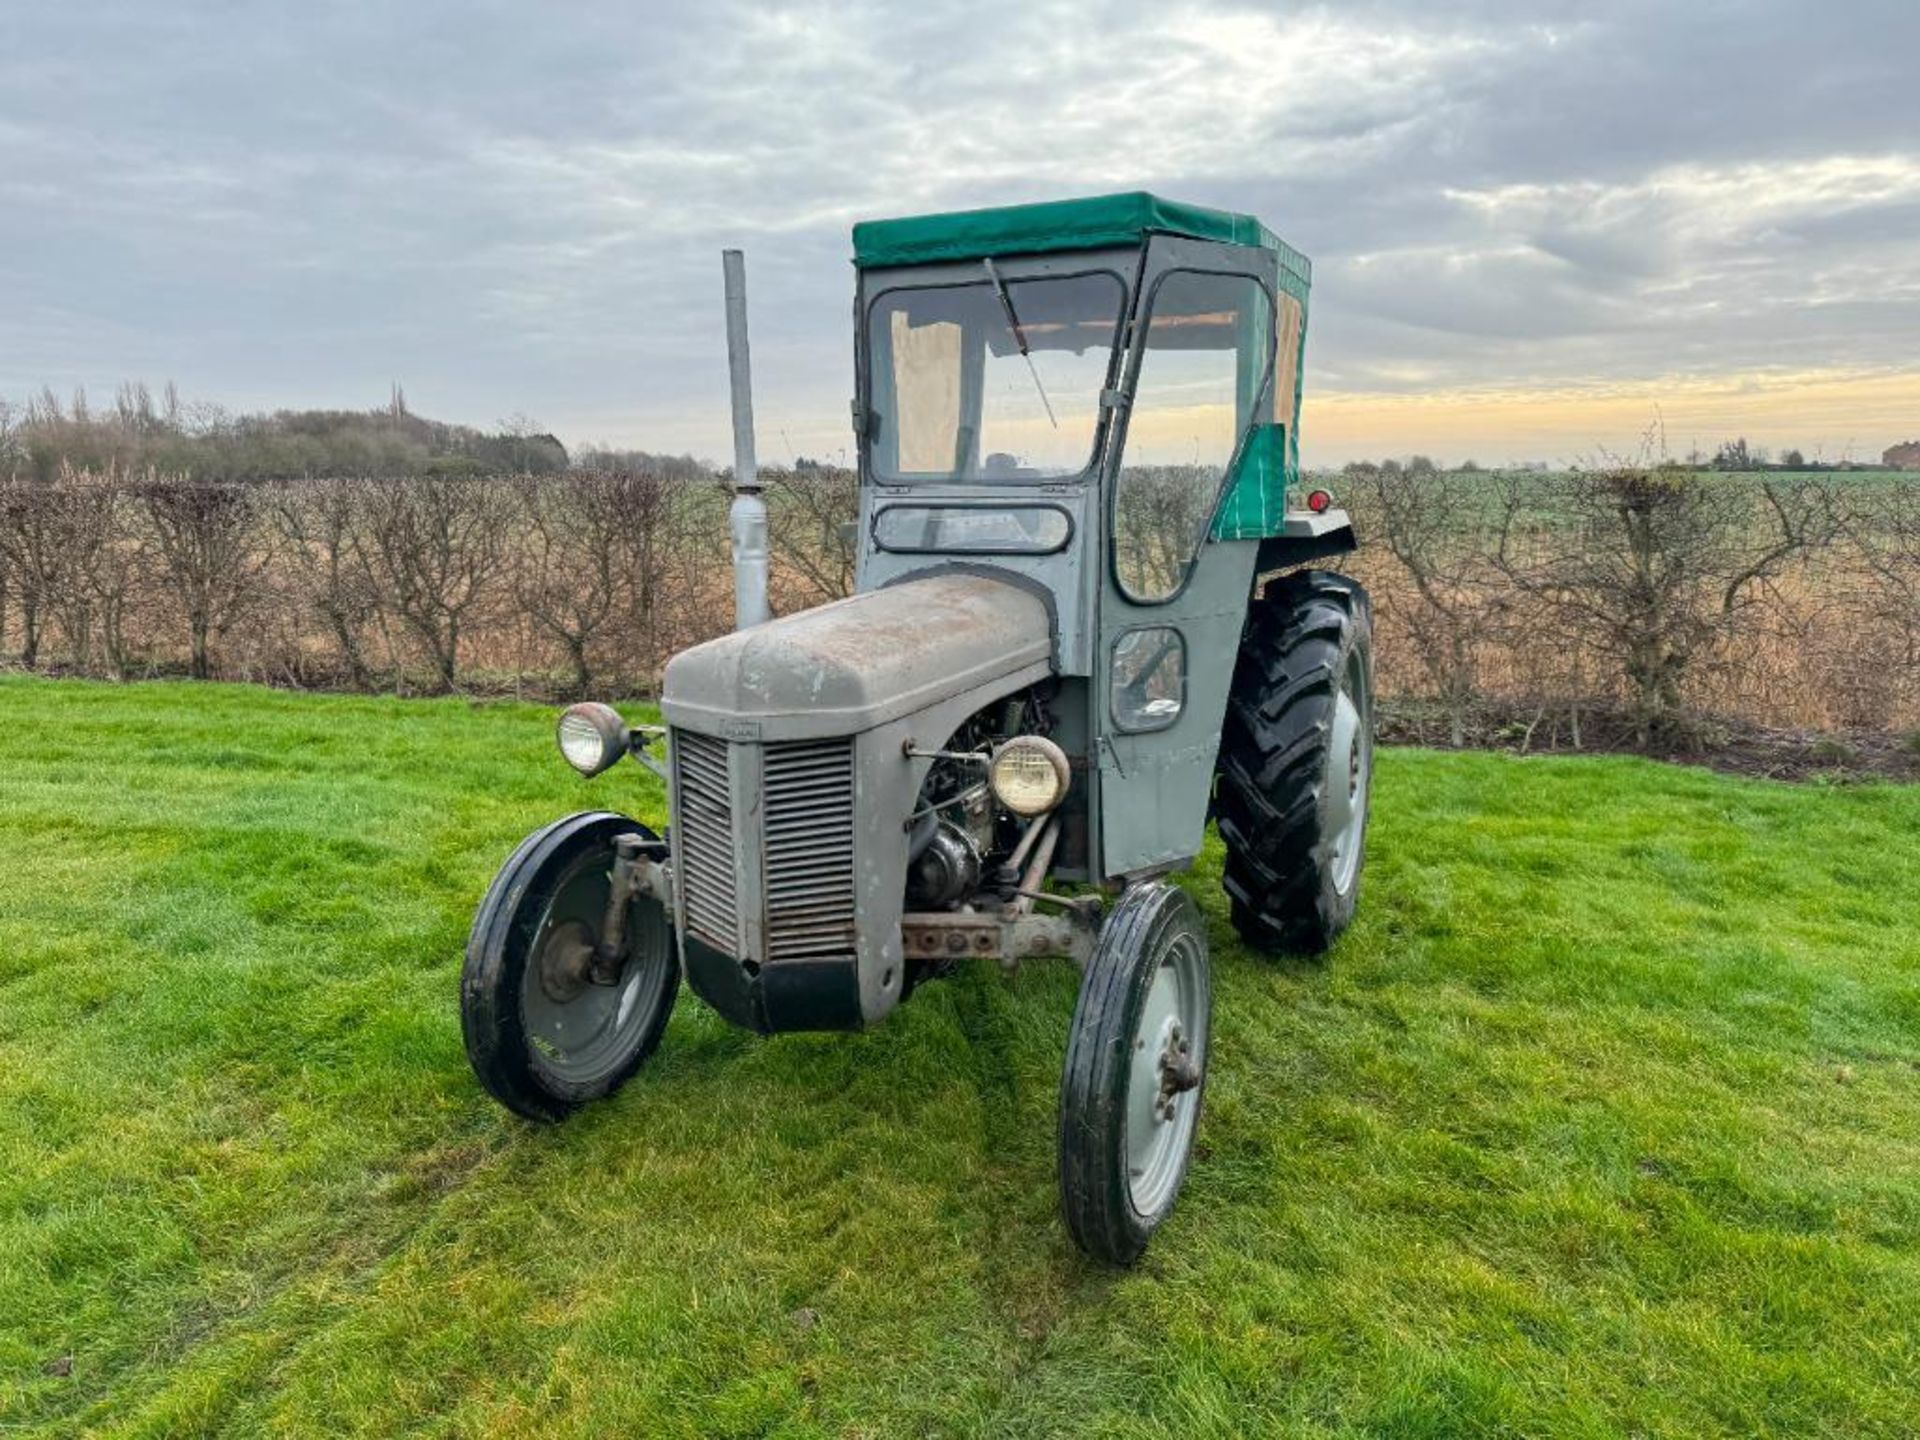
{"points": [[1019, 336]]}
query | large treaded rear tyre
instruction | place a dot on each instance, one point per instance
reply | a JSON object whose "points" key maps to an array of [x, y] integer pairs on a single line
{"points": [[1296, 762]]}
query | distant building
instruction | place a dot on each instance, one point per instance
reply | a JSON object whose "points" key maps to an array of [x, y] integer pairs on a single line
{"points": [[1903, 457]]}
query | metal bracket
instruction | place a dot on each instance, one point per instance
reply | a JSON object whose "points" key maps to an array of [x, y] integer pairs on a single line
{"points": [[1003, 935], [639, 868], [912, 751], [639, 737]]}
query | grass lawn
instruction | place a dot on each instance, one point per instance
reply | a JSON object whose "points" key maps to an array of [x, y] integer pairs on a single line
{"points": [[1604, 1119]]}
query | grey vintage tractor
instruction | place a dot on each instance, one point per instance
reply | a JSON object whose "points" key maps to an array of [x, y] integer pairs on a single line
{"points": [[1083, 627]]}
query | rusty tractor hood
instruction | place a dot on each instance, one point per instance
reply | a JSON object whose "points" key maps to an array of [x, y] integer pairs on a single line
{"points": [[851, 665]]}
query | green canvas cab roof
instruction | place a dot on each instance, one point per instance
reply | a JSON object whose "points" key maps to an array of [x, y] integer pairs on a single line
{"points": [[1095, 222]]}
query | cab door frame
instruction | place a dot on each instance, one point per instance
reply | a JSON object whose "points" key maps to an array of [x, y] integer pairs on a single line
{"points": [[1155, 786]]}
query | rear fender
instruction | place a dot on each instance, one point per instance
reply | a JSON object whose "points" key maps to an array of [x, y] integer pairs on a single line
{"points": [[1306, 538]]}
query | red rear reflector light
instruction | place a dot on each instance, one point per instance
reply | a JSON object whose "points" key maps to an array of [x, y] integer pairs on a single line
{"points": [[1318, 501]]}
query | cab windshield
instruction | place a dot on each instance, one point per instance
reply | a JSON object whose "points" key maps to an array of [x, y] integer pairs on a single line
{"points": [[998, 379]]}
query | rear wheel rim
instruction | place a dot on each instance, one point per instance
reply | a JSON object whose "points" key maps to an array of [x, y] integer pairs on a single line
{"points": [[1349, 767], [1171, 1031], [579, 1033]]}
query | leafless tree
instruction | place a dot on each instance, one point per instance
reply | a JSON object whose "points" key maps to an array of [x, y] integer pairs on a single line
{"points": [[81, 508], [810, 515], [434, 548], [76, 559], [112, 566], [12, 455], [1883, 528], [1440, 528], [34, 543], [1658, 565], [595, 561], [319, 524], [212, 552], [674, 545]]}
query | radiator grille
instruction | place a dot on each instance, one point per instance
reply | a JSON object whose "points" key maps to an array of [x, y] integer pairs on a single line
{"points": [[809, 848], [703, 839]]}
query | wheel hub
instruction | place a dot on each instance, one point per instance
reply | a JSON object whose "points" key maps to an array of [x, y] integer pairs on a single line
{"points": [[566, 962], [1178, 1074], [1165, 1075]]}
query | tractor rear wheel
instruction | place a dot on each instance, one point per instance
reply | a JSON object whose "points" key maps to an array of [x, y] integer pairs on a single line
{"points": [[1296, 762]]}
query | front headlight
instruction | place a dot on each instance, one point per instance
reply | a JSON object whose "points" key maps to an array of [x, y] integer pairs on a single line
{"points": [[1029, 774], [592, 737]]}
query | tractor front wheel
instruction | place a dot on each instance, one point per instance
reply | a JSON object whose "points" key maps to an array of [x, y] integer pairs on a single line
{"points": [[550, 1024], [1296, 762], [1136, 1061]]}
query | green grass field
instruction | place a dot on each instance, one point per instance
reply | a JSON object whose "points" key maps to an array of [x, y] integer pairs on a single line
{"points": [[1604, 1119]]}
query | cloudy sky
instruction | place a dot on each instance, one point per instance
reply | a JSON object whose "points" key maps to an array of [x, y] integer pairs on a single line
{"points": [[1537, 226]]}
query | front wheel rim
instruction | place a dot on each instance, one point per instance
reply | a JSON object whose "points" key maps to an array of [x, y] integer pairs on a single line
{"points": [[1171, 1037], [578, 1032]]}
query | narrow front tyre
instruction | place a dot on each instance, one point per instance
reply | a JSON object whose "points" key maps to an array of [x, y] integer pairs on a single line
{"points": [[1136, 1066], [549, 1025]]}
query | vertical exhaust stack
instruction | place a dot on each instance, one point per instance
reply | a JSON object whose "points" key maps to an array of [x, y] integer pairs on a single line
{"points": [[747, 519]]}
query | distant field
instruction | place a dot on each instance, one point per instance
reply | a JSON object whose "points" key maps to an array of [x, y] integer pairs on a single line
{"points": [[1604, 1119], [1844, 483]]}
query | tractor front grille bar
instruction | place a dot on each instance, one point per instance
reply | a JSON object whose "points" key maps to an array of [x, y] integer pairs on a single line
{"points": [[809, 848], [805, 841], [703, 839]]}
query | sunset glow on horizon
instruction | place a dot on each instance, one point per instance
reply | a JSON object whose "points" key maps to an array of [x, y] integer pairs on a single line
{"points": [[1829, 416]]}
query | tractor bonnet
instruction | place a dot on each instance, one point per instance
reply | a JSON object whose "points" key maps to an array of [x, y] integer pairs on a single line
{"points": [[845, 668]]}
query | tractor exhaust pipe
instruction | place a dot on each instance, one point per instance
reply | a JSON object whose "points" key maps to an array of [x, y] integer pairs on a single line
{"points": [[747, 519]]}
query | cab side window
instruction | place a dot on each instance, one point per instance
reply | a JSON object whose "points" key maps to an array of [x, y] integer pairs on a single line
{"points": [[1148, 678]]}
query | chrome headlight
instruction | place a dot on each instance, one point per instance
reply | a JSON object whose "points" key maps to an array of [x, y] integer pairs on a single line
{"points": [[592, 737], [1029, 774]]}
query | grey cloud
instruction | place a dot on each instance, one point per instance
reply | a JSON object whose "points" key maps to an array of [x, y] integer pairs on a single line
{"points": [[513, 208]]}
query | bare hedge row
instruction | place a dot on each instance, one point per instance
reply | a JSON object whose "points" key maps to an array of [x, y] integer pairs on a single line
{"points": [[1661, 592], [555, 583]]}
